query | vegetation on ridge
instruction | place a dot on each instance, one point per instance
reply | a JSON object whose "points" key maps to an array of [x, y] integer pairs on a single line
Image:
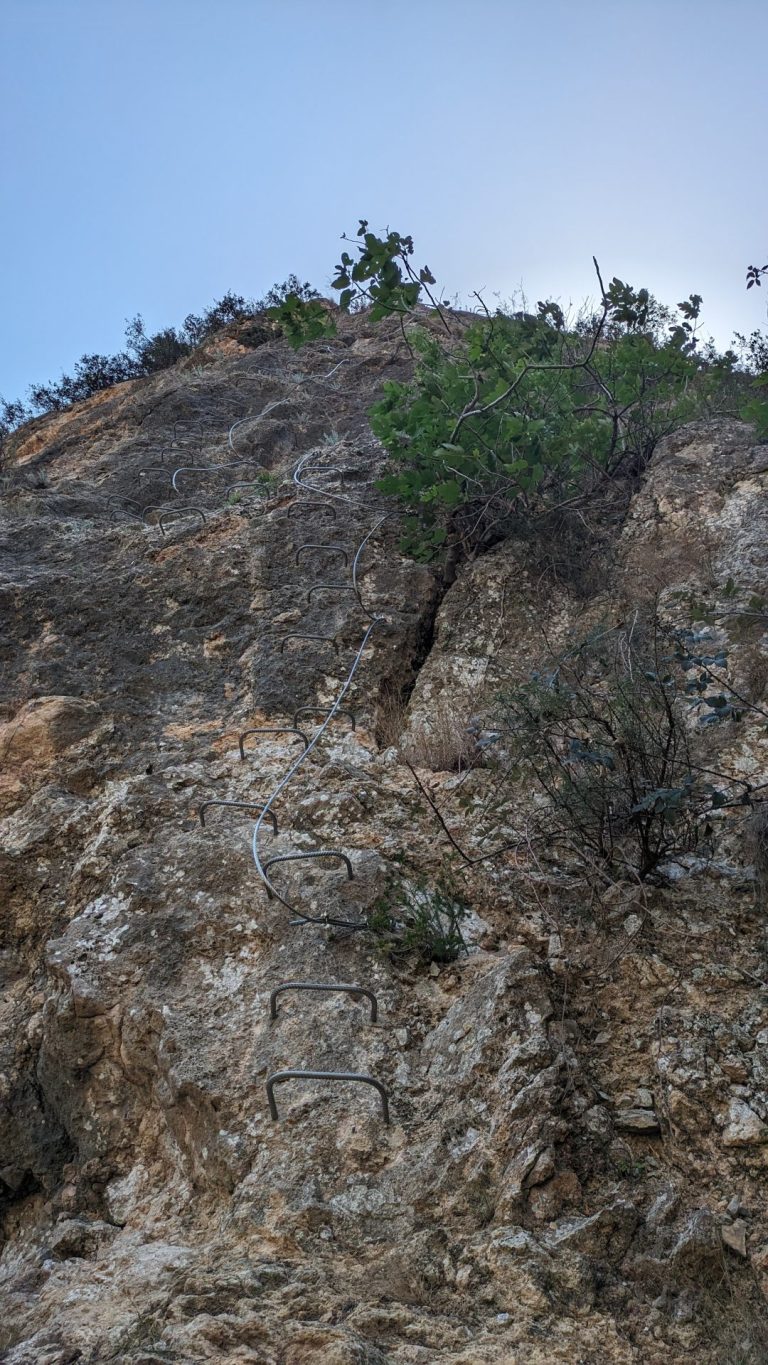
{"points": [[512, 415], [146, 353]]}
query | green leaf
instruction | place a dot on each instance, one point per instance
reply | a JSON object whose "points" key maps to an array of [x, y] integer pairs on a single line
{"points": [[449, 492]]}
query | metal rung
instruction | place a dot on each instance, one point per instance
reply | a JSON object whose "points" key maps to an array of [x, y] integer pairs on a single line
{"points": [[181, 512], [329, 587], [301, 857], [278, 1077], [212, 469], [240, 805], [336, 549], [302, 635], [323, 711], [271, 730], [322, 986], [197, 429], [257, 417]]}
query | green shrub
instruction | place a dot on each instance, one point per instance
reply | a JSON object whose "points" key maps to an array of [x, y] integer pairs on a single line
{"points": [[263, 483], [420, 922], [511, 414]]}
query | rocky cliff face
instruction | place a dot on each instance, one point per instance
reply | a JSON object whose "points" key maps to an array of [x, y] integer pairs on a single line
{"points": [[574, 1169]]}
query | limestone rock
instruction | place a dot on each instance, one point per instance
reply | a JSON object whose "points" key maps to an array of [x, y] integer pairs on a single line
{"points": [[637, 1120], [735, 1236], [744, 1128], [602, 1236], [152, 1210]]}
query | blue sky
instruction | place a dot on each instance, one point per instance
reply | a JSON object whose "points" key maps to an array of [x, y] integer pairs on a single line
{"points": [[159, 152]]}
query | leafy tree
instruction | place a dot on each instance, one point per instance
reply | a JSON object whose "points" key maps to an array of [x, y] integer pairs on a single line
{"points": [[754, 354]]}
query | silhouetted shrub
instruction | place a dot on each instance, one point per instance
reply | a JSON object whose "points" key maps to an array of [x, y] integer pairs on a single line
{"points": [[148, 353], [290, 288], [606, 731]]}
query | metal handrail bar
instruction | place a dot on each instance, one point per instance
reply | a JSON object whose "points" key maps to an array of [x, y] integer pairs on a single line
{"points": [[310, 855], [200, 430], [257, 417], [310, 545], [329, 587], [298, 471], [283, 783], [271, 730], [181, 512], [326, 920], [375, 620], [241, 805], [305, 635], [210, 469], [278, 1077], [323, 986], [156, 507]]}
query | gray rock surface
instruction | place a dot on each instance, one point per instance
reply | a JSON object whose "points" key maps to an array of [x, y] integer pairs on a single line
{"points": [[571, 1099]]}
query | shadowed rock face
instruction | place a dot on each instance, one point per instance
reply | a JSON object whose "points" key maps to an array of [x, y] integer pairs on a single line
{"points": [[576, 1102]]}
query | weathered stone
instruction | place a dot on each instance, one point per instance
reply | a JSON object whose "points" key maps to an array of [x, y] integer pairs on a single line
{"points": [[735, 1236], [602, 1236], [546, 1202], [637, 1120], [663, 1208], [743, 1128], [79, 1237], [597, 1121], [543, 1167], [521, 1267], [697, 1246], [686, 1114], [735, 1068], [139, 953]]}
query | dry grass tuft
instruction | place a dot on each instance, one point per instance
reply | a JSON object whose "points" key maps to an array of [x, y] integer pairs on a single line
{"points": [[444, 743]]}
